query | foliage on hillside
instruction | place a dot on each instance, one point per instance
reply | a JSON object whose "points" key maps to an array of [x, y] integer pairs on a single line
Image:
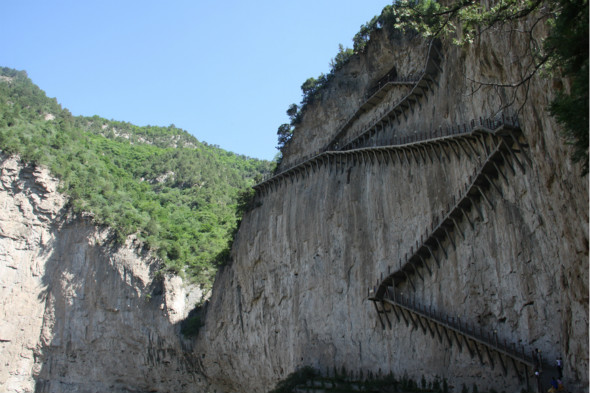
{"points": [[178, 195], [564, 52]]}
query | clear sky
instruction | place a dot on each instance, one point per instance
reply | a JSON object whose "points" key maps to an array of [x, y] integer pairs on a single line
{"points": [[225, 71]]}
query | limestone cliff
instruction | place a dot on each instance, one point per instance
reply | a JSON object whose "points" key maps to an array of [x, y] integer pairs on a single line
{"points": [[326, 232], [77, 313], [386, 190]]}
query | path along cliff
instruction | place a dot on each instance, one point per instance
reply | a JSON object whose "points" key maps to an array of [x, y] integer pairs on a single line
{"points": [[424, 221], [438, 186]]}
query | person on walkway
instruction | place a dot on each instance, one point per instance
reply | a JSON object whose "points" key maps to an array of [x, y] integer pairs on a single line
{"points": [[559, 365], [560, 385]]}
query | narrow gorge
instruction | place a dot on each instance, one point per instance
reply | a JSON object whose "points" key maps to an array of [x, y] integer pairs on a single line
{"points": [[425, 220]]}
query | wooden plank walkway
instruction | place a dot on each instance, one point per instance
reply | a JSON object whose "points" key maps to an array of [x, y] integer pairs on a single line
{"points": [[420, 148]]}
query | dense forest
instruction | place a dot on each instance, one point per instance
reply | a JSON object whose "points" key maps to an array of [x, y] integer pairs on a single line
{"points": [[179, 196]]}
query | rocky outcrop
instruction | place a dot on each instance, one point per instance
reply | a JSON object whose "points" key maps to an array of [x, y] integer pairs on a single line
{"points": [[297, 293], [78, 313]]}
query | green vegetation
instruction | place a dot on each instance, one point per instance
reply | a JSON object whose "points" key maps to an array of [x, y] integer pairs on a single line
{"points": [[313, 88], [308, 379], [294, 379], [177, 195], [564, 52]]}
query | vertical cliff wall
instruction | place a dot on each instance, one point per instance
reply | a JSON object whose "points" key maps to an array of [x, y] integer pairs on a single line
{"points": [[79, 314], [326, 232]]}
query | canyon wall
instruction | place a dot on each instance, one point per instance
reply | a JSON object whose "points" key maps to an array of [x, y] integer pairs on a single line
{"points": [[305, 258], [79, 314]]}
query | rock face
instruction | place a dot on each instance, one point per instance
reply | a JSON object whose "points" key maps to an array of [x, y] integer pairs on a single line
{"points": [[79, 315], [297, 291]]}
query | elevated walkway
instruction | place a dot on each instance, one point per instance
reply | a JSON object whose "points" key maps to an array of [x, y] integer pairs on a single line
{"points": [[420, 148]]}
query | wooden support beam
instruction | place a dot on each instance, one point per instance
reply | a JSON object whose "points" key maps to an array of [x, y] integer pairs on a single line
{"points": [[379, 314], [464, 150], [393, 307], [430, 329], [401, 310], [478, 353], [414, 155], [482, 140], [445, 330], [471, 353], [385, 313], [412, 319], [398, 157], [499, 170], [516, 159], [409, 279], [419, 319], [490, 357], [441, 247], [442, 147], [467, 217], [520, 146], [438, 155], [507, 162], [458, 340], [424, 263], [493, 184], [428, 153], [476, 207], [405, 155], [516, 370], [484, 196], [504, 369], [440, 337], [450, 144], [450, 238], [433, 255], [416, 270], [419, 148], [457, 226]]}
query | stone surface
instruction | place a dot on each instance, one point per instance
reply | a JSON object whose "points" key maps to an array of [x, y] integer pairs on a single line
{"points": [[77, 313], [296, 292]]}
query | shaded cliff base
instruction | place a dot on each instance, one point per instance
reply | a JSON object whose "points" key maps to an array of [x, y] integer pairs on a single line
{"points": [[311, 380], [79, 312]]}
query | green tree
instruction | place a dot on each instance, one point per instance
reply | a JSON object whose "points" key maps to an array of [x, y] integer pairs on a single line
{"points": [[564, 51]]}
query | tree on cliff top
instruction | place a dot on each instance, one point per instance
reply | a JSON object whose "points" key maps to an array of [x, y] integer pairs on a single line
{"points": [[564, 52]]}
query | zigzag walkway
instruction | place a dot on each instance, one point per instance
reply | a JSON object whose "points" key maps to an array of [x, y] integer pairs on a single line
{"points": [[453, 330], [502, 143], [421, 86], [385, 118], [423, 147], [374, 98]]}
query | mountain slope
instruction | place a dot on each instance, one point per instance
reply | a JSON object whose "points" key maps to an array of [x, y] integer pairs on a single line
{"points": [[177, 195]]}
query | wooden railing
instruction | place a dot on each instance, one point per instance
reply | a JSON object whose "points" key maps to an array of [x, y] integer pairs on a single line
{"points": [[420, 146]]}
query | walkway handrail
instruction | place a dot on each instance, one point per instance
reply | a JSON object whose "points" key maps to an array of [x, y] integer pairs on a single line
{"points": [[484, 125], [429, 70], [464, 328], [464, 193]]}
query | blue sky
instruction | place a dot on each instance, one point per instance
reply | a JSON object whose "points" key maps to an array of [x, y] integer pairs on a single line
{"points": [[224, 71]]}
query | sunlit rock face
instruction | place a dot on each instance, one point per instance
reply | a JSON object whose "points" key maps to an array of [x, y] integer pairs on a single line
{"points": [[78, 314], [297, 291]]}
